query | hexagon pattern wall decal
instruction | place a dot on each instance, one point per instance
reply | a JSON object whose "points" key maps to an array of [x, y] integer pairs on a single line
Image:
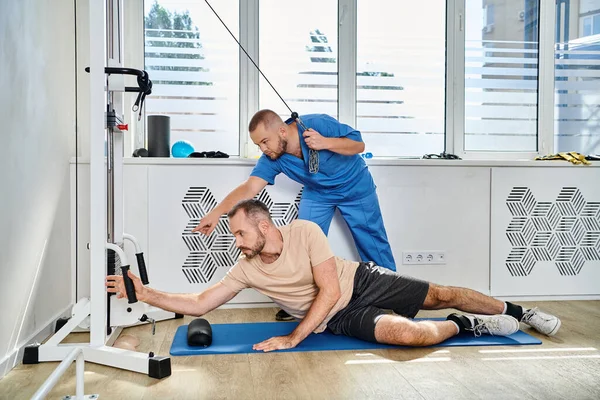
{"points": [[566, 231], [218, 250]]}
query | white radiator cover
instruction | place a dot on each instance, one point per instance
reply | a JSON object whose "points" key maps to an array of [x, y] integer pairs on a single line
{"points": [[469, 210]]}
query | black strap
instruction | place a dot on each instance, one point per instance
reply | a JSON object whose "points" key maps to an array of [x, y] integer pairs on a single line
{"points": [[145, 85], [442, 156]]}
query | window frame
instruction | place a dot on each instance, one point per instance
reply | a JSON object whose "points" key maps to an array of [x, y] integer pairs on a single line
{"points": [[545, 103], [249, 77], [593, 24]]}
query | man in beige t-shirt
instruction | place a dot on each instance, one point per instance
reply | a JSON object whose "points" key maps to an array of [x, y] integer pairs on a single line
{"points": [[289, 280], [295, 267]]}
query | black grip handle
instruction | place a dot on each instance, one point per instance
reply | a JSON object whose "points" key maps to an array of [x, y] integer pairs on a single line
{"points": [[142, 268], [129, 288], [122, 71]]}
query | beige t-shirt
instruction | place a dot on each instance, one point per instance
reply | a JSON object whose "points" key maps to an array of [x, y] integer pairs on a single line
{"points": [[289, 281]]}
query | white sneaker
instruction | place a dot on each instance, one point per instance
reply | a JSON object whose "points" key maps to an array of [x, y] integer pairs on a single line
{"points": [[495, 325], [540, 321]]}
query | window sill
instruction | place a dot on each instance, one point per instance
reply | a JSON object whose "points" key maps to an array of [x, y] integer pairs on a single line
{"points": [[409, 162]]}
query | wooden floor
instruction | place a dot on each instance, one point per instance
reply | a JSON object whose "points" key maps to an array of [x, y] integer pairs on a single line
{"points": [[564, 367]]}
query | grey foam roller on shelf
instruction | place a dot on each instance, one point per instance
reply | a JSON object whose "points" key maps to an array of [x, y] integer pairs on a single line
{"points": [[159, 136]]}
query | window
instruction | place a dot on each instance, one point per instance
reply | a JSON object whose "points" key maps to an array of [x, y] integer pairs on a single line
{"points": [[298, 54], [407, 82], [590, 25], [501, 74], [488, 16], [401, 76], [577, 83], [587, 26], [596, 24], [194, 67]]}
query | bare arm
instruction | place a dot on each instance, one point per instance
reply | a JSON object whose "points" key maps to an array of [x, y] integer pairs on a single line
{"points": [[326, 279], [190, 304], [246, 190], [193, 304], [345, 146]]}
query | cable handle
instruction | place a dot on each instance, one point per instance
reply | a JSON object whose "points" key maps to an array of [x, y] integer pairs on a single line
{"points": [[296, 118], [129, 286], [143, 81], [142, 267], [313, 155], [122, 71]]}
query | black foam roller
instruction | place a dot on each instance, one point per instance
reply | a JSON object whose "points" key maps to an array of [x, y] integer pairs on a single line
{"points": [[199, 333]]}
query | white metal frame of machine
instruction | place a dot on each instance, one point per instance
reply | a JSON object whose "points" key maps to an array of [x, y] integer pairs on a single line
{"points": [[106, 216]]}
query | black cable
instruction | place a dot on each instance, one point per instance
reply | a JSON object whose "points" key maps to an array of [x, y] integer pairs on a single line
{"points": [[313, 162], [248, 55]]}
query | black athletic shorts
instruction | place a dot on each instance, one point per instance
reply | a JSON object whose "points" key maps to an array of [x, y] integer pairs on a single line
{"points": [[377, 290]]}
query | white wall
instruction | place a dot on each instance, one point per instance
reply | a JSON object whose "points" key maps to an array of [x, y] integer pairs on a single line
{"points": [[458, 207], [37, 137]]}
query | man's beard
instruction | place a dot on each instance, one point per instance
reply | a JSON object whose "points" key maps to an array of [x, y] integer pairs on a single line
{"points": [[257, 248], [281, 148]]}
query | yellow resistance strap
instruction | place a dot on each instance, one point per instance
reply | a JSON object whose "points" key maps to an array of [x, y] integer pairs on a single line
{"points": [[571, 156]]}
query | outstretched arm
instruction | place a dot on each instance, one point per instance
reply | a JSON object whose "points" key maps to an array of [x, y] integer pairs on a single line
{"points": [[194, 304], [326, 279], [247, 190]]}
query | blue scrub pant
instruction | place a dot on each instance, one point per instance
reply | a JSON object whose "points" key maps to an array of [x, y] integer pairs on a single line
{"points": [[364, 220]]}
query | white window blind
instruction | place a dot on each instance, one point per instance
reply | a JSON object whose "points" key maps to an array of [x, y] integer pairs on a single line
{"points": [[298, 54], [193, 64], [501, 76], [577, 82], [400, 76]]}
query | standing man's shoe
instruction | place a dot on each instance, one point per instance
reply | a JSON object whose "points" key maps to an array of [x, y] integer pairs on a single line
{"points": [[283, 316]]}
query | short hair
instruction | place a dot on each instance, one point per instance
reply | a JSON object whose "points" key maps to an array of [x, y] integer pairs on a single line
{"points": [[256, 210], [265, 117]]}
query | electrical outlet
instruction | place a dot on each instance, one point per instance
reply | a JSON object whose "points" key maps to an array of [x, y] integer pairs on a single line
{"points": [[440, 257], [424, 257]]}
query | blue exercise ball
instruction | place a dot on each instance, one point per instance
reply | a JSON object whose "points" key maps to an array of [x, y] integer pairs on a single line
{"points": [[182, 149]]}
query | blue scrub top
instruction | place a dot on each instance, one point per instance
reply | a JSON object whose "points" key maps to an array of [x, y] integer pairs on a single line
{"points": [[340, 177]]}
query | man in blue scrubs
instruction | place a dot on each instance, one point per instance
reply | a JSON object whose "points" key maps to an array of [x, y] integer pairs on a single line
{"points": [[326, 159]]}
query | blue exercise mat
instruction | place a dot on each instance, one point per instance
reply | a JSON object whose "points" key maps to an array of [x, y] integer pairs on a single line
{"points": [[239, 339]]}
